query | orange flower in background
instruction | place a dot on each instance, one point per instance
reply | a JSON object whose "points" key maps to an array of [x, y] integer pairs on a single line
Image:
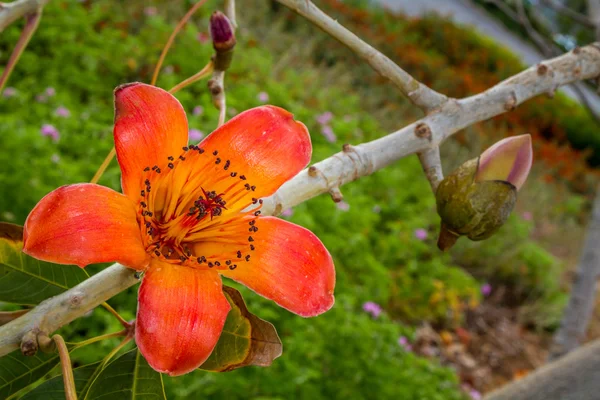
{"points": [[188, 215]]}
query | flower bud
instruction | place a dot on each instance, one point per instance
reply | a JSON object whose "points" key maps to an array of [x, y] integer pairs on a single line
{"points": [[221, 32], [476, 199]]}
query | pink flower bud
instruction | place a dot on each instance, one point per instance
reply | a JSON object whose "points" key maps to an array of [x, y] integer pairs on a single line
{"points": [[221, 32], [508, 160]]}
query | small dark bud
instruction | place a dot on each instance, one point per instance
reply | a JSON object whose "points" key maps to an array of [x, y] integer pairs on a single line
{"points": [[221, 32]]}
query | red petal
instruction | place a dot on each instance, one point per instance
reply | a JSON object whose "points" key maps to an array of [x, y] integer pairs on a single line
{"points": [[150, 125], [265, 145], [289, 265], [84, 224], [181, 313]]}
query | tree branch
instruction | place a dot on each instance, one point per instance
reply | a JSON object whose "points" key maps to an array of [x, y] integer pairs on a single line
{"points": [[419, 94], [346, 166], [432, 166], [10, 12], [573, 377]]}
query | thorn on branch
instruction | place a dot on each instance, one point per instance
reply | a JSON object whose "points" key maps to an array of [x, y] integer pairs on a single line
{"points": [[336, 194], [423, 131]]}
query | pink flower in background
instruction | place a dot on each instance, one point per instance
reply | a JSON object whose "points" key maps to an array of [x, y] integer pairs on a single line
{"points": [[403, 342], [287, 213], [55, 158], [486, 289], [421, 234], [62, 112], [49, 130], [328, 133], [376, 209], [198, 110], [41, 98], [347, 118], [195, 134], [9, 92], [372, 308], [475, 395], [50, 91], [342, 205], [527, 216], [325, 118], [263, 97], [150, 11], [203, 37]]}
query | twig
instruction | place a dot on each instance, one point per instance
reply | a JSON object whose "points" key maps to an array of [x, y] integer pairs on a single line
{"points": [[103, 166], [114, 312], [419, 94], [67, 369], [216, 85], [230, 12], [562, 9], [203, 73], [432, 166], [31, 23], [10, 12], [7, 316], [346, 166]]}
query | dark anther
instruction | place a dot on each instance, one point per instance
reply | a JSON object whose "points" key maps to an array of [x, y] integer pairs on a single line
{"points": [[158, 170], [233, 174], [218, 161], [189, 253], [200, 150], [232, 267], [147, 182], [185, 148], [155, 168], [253, 188], [252, 247], [148, 224], [171, 158], [256, 214], [218, 264], [215, 153], [182, 258], [251, 222], [193, 147], [239, 254], [247, 257], [142, 193], [260, 201], [227, 164], [146, 169], [247, 186], [228, 262], [242, 177], [182, 158], [171, 165], [253, 229], [143, 204], [210, 265], [157, 252], [250, 239], [254, 200]]}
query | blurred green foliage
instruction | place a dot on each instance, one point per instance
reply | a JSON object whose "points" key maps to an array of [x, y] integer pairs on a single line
{"points": [[83, 50]]}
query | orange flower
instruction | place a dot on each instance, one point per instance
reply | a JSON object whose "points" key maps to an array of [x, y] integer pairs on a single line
{"points": [[188, 215]]}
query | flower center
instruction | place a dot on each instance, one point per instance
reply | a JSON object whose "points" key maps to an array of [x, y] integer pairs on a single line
{"points": [[192, 211]]}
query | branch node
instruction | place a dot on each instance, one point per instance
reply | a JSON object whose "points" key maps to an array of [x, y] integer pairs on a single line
{"points": [[312, 171], [423, 131], [46, 344], [576, 50], [29, 343], [542, 69], [336, 194], [511, 103], [76, 299], [347, 148]]}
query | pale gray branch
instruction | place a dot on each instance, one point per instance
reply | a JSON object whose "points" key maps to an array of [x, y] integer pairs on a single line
{"points": [[10, 12], [432, 166], [348, 165], [422, 96]]}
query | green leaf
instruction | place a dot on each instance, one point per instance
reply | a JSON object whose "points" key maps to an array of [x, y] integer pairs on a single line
{"points": [[26, 280], [18, 371], [246, 339], [54, 389], [127, 377]]}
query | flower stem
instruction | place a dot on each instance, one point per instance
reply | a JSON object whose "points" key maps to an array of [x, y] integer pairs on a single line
{"points": [[116, 314], [103, 167], [179, 26], [203, 73], [124, 332], [31, 23], [67, 369]]}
